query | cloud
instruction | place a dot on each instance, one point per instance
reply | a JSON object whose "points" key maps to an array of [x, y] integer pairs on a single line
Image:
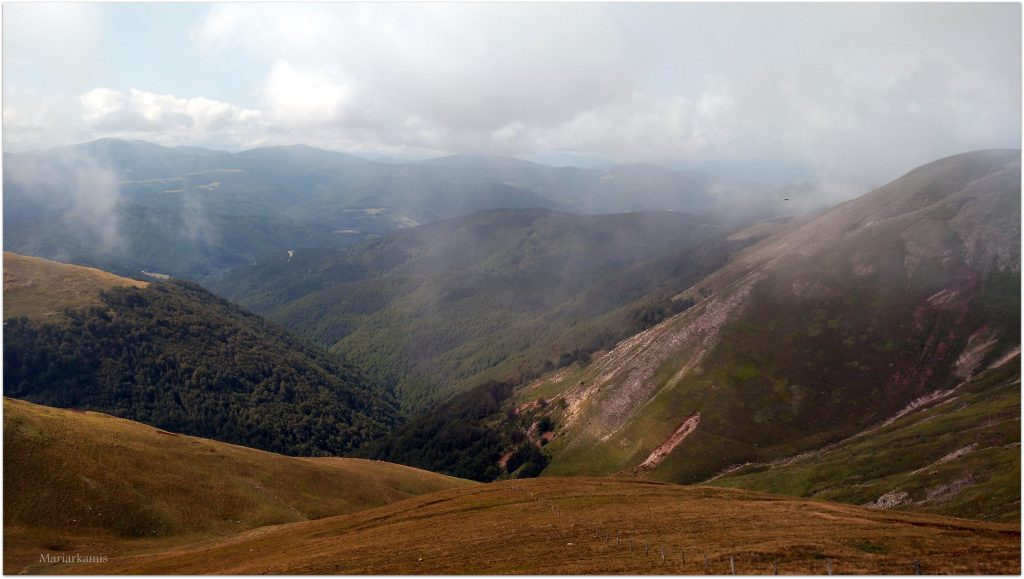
{"points": [[858, 91], [52, 42], [648, 127], [823, 84], [79, 190], [460, 67], [165, 117], [304, 98]]}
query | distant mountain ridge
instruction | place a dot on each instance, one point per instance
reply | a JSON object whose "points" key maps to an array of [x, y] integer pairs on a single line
{"points": [[127, 206]]}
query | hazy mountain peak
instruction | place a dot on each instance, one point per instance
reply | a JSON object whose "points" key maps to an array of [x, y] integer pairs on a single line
{"points": [[300, 151], [469, 160]]}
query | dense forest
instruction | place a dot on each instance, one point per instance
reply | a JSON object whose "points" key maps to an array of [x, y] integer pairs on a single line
{"points": [[466, 437], [174, 356]]}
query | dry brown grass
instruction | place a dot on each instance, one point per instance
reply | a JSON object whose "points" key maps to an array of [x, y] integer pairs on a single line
{"points": [[88, 482], [38, 288], [570, 525]]}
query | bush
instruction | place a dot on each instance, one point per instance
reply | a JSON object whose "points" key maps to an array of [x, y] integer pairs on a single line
{"points": [[545, 425]]}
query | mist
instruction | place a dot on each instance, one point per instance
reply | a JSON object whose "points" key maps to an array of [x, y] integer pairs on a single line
{"points": [[78, 191]]}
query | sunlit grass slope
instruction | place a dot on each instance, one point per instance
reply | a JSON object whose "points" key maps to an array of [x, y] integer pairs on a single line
{"points": [[38, 288], [75, 480]]}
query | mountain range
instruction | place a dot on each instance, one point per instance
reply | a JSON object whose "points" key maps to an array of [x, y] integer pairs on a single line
{"points": [[652, 356], [132, 206]]}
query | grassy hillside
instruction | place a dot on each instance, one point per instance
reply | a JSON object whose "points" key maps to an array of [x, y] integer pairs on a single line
{"points": [[175, 356], [437, 309], [41, 289], [812, 335], [88, 482], [581, 526], [958, 455]]}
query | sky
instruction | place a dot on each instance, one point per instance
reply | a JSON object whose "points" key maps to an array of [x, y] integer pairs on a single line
{"points": [[863, 92]]}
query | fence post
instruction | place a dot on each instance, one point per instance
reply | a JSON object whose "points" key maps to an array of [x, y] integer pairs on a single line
{"points": [[662, 553], [917, 567], [705, 562], [617, 533], [732, 565], [828, 566]]}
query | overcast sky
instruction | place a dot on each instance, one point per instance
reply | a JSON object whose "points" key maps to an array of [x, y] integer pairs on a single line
{"points": [[867, 91]]}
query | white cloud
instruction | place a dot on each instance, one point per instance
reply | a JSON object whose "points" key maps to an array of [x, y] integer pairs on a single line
{"points": [[163, 118], [52, 41], [867, 90], [887, 86], [304, 98], [463, 66]]}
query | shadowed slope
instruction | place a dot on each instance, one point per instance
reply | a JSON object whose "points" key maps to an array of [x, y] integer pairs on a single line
{"points": [[955, 452]]}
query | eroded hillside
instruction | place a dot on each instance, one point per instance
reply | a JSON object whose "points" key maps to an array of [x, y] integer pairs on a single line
{"points": [[812, 335]]}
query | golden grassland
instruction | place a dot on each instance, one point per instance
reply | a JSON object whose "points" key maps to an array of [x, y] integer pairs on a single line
{"points": [[86, 482], [38, 288], [588, 525]]}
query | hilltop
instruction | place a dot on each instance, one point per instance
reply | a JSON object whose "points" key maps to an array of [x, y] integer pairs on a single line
{"points": [[130, 486], [39, 288]]}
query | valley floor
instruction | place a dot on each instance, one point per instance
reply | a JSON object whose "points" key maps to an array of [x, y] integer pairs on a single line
{"points": [[590, 525]]}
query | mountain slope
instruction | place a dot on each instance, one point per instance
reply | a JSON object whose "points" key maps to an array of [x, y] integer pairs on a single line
{"points": [[955, 452], [595, 526], [810, 336], [499, 294], [174, 356], [136, 487], [38, 288]]}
